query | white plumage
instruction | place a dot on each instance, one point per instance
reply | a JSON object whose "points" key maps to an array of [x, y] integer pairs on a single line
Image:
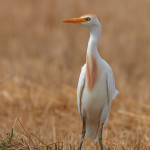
{"points": [[98, 102], [96, 86]]}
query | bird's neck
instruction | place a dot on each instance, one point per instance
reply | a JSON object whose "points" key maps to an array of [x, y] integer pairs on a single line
{"points": [[92, 44], [92, 58]]}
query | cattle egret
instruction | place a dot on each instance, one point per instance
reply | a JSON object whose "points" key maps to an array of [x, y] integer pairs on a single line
{"points": [[96, 86]]}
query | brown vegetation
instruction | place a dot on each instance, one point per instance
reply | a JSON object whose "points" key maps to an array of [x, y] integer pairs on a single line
{"points": [[40, 62]]}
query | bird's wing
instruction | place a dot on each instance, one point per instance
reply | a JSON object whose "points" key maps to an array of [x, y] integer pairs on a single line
{"points": [[111, 90], [81, 84]]}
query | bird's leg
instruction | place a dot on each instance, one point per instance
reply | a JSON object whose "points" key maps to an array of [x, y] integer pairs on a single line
{"points": [[100, 136], [83, 134]]}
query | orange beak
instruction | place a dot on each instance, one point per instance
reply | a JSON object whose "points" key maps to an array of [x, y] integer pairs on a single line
{"points": [[75, 20]]}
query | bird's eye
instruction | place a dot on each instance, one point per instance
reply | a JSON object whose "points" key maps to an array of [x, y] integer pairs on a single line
{"points": [[88, 18]]}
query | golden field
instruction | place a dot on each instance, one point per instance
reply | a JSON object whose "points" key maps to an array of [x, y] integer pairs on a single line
{"points": [[40, 62]]}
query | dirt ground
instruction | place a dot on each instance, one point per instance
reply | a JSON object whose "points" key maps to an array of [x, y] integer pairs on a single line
{"points": [[40, 63]]}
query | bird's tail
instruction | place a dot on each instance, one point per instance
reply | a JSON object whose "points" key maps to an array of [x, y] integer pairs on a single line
{"points": [[115, 94]]}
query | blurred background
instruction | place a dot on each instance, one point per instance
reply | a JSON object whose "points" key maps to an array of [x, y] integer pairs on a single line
{"points": [[41, 59]]}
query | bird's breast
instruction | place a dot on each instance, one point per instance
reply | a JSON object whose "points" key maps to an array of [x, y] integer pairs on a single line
{"points": [[94, 100]]}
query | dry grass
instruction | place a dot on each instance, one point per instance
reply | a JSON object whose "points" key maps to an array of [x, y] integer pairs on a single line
{"points": [[40, 61]]}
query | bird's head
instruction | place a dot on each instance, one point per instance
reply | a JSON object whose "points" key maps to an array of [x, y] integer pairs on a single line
{"points": [[90, 21]]}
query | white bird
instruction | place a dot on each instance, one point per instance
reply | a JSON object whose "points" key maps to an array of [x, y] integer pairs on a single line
{"points": [[96, 86]]}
